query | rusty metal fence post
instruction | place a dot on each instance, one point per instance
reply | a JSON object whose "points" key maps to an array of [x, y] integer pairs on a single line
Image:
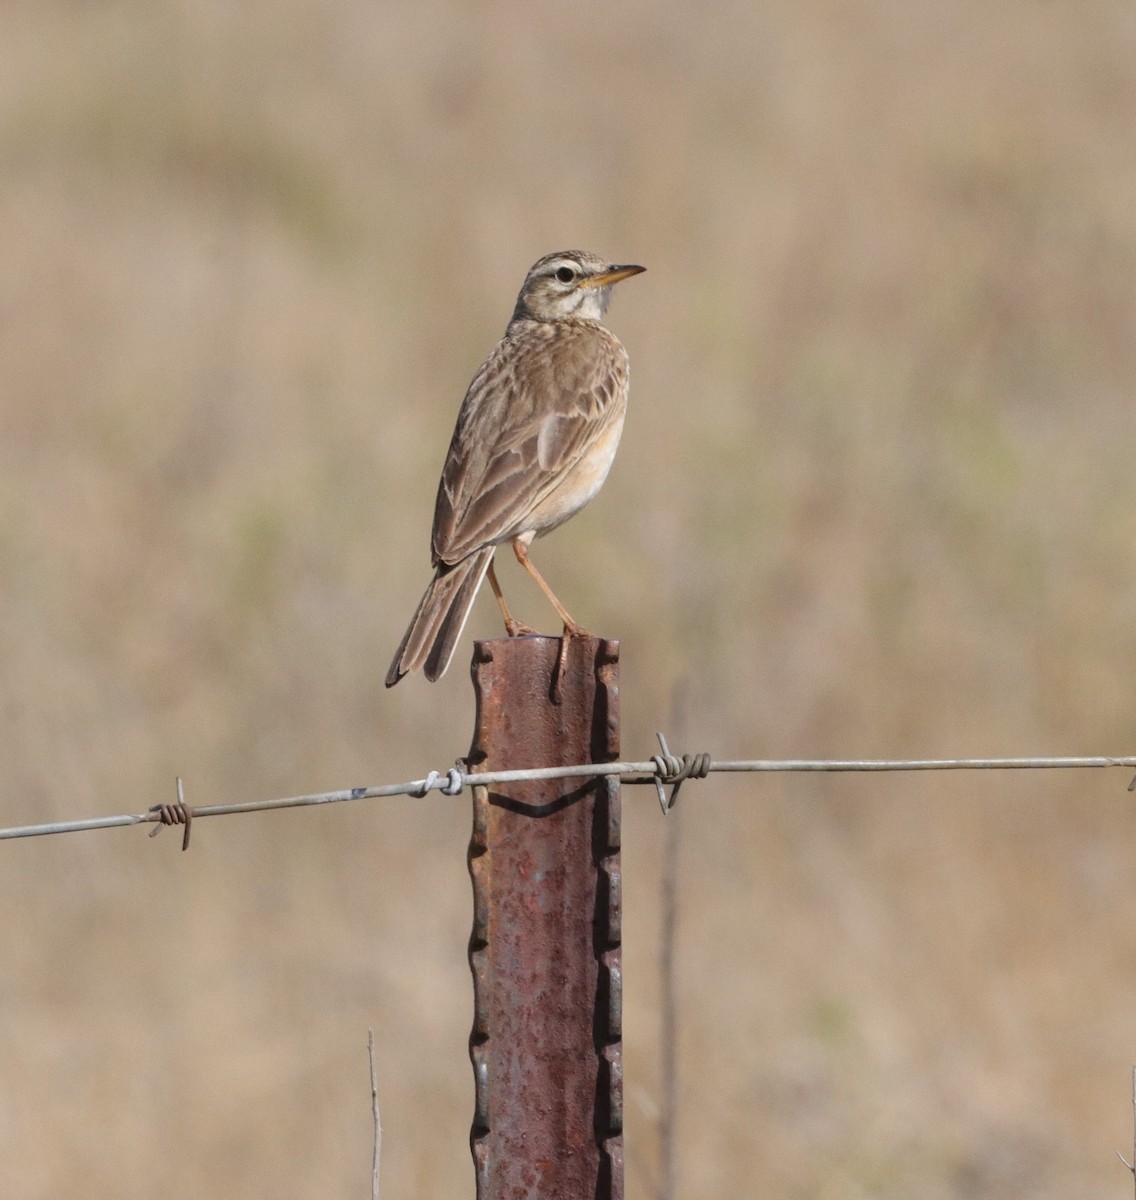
{"points": [[545, 949]]}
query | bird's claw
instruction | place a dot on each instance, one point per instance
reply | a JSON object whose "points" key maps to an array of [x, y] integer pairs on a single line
{"points": [[570, 631]]}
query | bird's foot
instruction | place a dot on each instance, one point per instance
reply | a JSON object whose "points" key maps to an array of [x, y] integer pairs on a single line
{"points": [[516, 629]]}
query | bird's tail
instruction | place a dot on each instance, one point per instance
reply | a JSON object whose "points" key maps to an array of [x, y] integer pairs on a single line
{"points": [[440, 618]]}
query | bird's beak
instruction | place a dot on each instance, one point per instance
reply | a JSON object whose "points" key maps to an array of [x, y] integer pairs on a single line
{"points": [[612, 275]]}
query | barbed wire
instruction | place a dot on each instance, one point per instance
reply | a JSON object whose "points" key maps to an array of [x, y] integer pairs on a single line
{"points": [[663, 770]]}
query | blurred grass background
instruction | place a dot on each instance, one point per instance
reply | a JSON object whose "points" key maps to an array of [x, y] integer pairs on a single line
{"points": [[876, 497]]}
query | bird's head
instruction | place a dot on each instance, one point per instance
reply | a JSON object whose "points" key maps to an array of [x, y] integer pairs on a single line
{"points": [[571, 283]]}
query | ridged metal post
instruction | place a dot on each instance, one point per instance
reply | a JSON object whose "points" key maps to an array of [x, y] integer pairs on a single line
{"points": [[545, 950]]}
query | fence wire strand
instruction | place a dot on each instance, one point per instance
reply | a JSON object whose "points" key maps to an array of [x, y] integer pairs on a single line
{"points": [[661, 770]]}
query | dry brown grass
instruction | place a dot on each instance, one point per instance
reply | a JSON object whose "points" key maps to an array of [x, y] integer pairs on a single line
{"points": [[876, 496]]}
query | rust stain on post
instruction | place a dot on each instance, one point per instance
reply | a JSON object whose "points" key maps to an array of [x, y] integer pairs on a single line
{"points": [[545, 950]]}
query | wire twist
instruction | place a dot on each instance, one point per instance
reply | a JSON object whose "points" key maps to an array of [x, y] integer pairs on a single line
{"points": [[449, 784]]}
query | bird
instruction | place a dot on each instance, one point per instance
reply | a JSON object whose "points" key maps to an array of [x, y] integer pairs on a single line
{"points": [[535, 438]]}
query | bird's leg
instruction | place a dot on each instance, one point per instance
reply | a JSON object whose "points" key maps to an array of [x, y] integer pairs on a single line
{"points": [[571, 629], [512, 627]]}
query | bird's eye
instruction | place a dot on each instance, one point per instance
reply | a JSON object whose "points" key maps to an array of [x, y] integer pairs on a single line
{"points": [[565, 274]]}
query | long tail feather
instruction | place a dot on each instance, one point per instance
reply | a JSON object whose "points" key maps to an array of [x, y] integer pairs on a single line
{"points": [[440, 618]]}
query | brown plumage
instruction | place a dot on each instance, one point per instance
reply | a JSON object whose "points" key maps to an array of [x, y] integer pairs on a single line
{"points": [[535, 438]]}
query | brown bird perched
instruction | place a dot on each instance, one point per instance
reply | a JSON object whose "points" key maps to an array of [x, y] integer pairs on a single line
{"points": [[535, 439]]}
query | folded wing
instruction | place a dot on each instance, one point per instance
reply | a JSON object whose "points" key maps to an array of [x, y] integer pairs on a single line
{"points": [[526, 422]]}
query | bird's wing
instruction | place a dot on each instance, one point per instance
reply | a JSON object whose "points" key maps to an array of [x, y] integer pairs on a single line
{"points": [[540, 400]]}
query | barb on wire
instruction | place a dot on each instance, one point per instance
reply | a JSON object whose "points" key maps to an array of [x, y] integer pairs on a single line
{"points": [[675, 771], [661, 770], [178, 813]]}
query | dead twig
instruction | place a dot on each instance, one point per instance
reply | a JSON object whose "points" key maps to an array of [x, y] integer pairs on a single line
{"points": [[378, 1146]]}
